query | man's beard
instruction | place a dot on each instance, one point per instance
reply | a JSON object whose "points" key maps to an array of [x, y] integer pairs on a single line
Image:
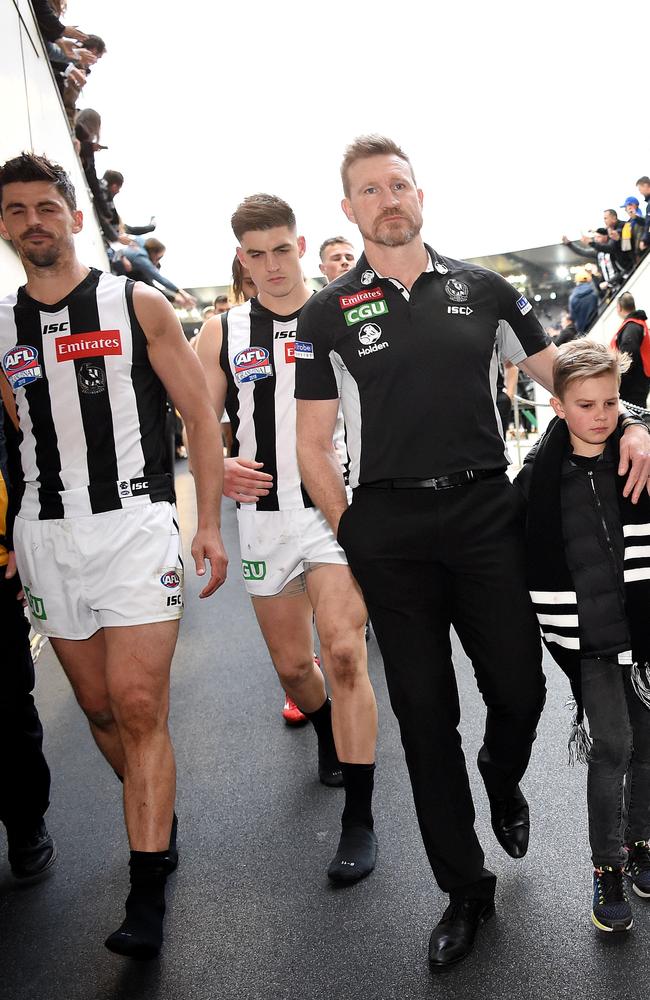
{"points": [[394, 234], [43, 256]]}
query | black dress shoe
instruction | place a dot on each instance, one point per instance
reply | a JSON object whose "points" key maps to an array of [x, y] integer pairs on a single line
{"points": [[31, 852], [511, 823], [453, 938]]}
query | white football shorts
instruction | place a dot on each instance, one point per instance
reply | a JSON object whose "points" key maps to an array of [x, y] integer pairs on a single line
{"points": [[277, 545], [122, 567]]}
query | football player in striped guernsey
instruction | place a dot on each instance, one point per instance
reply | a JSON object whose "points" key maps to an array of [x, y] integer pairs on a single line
{"points": [[88, 358], [293, 568]]}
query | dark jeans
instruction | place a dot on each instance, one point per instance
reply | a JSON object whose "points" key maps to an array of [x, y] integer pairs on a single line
{"points": [[426, 560], [24, 774], [619, 724]]}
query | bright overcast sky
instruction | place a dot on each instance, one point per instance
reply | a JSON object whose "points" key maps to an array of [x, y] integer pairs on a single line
{"points": [[520, 118]]}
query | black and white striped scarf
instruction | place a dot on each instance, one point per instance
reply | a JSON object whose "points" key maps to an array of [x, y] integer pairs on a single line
{"points": [[549, 580]]}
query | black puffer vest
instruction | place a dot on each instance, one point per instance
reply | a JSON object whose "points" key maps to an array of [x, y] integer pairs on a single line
{"points": [[592, 595]]}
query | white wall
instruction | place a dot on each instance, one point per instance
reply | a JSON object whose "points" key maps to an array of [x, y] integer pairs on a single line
{"points": [[33, 119]]}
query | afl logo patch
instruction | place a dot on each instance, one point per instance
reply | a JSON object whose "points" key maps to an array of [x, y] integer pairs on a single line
{"points": [[457, 290], [369, 333], [21, 366], [252, 364], [170, 579], [367, 277]]}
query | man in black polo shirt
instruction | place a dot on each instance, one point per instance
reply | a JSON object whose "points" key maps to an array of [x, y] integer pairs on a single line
{"points": [[409, 340]]}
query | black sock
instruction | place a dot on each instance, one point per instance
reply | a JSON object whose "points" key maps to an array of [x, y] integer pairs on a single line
{"points": [[321, 720], [141, 933], [358, 781]]}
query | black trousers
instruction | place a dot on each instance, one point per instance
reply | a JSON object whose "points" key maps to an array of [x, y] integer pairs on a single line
{"points": [[425, 560], [619, 725], [24, 774]]}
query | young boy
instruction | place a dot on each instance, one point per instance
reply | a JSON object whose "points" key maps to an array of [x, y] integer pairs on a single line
{"points": [[588, 556]]}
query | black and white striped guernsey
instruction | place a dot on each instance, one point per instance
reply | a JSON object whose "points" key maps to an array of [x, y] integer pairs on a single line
{"points": [[90, 405], [258, 355]]}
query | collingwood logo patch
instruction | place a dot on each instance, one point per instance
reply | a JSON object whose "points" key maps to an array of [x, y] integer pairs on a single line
{"points": [[457, 290], [367, 277], [91, 379]]}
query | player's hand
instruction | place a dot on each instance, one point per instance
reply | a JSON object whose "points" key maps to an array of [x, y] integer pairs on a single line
{"points": [[635, 460], [207, 544], [243, 481]]}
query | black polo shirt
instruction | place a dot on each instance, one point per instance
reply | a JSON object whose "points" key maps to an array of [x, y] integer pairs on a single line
{"points": [[416, 372]]}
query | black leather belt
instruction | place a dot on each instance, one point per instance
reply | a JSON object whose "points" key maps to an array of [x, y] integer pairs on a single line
{"points": [[439, 483]]}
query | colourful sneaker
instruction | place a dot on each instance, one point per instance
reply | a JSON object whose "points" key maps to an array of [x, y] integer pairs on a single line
{"points": [[638, 867], [292, 714], [611, 910]]}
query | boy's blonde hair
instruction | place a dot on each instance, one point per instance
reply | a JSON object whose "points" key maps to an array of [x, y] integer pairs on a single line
{"points": [[581, 359]]}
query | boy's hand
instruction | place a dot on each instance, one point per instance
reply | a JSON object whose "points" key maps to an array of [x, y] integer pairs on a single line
{"points": [[635, 459]]}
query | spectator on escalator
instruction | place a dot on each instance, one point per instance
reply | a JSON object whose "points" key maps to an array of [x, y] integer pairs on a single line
{"points": [[632, 231], [75, 82], [144, 258], [568, 331], [87, 131], [599, 247], [111, 185], [643, 186], [583, 301], [624, 259], [52, 28], [632, 338]]}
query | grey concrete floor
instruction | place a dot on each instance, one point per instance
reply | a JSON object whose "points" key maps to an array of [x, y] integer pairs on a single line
{"points": [[250, 912]]}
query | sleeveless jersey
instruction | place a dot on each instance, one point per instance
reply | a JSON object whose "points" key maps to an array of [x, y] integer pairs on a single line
{"points": [[90, 405], [258, 355]]}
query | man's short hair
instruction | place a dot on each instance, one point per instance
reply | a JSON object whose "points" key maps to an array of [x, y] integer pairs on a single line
{"points": [[330, 242], [626, 302], [611, 211], [28, 167], [643, 180], [114, 177], [365, 146], [260, 212], [152, 245], [95, 44], [581, 359], [220, 300]]}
